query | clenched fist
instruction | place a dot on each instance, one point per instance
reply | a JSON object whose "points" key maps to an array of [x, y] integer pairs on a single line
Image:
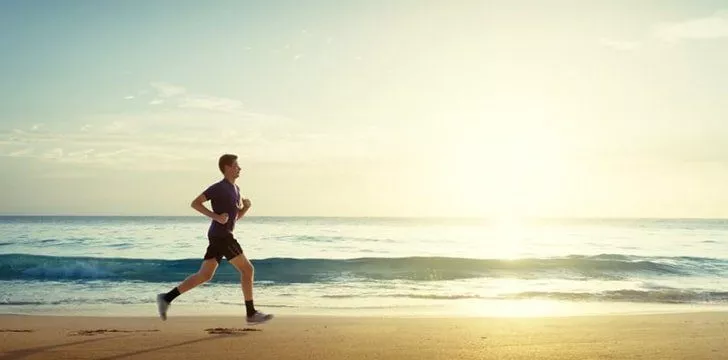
{"points": [[222, 218]]}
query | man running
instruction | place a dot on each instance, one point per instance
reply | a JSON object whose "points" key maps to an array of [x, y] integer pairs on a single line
{"points": [[227, 207]]}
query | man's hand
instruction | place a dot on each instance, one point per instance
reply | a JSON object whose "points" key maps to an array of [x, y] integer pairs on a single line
{"points": [[246, 204], [221, 218]]}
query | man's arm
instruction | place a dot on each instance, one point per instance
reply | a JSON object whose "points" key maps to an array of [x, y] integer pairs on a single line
{"points": [[198, 205], [244, 209]]}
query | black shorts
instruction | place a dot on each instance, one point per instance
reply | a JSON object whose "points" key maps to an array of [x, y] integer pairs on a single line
{"points": [[221, 246]]}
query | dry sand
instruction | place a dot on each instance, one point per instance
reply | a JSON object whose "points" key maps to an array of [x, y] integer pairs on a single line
{"points": [[671, 336]]}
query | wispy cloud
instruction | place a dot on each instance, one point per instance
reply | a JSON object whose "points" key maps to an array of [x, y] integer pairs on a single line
{"points": [[706, 28], [211, 103], [55, 153], [711, 27], [620, 45], [81, 153], [173, 137], [21, 152], [144, 142], [180, 97], [167, 90]]}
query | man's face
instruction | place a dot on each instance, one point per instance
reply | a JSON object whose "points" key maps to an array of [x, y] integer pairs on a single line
{"points": [[233, 170]]}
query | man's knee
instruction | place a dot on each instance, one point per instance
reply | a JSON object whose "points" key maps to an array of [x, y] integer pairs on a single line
{"points": [[250, 270], [243, 265], [207, 270], [247, 269]]}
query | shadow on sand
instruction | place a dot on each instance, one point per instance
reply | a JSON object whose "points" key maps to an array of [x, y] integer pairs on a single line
{"points": [[218, 332]]}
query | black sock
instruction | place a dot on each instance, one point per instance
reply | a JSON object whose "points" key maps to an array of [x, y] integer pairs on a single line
{"points": [[168, 297], [249, 308]]}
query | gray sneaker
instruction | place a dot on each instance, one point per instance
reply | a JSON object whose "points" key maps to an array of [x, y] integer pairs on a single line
{"points": [[162, 306], [259, 318]]}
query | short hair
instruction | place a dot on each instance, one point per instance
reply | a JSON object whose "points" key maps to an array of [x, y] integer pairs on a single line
{"points": [[226, 160]]}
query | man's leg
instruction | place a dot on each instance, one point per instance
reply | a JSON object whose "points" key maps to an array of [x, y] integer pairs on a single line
{"points": [[245, 267], [206, 272]]}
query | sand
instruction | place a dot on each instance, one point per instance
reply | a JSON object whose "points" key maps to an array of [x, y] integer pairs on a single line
{"points": [[664, 336]]}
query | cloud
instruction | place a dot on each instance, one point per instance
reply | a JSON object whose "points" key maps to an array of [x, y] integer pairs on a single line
{"points": [[131, 142], [55, 153], [172, 137], [178, 140], [82, 153], [178, 136], [180, 97], [130, 97], [620, 45], [167, 90], [211, 103], [711, 27], [114, 127], [22, 152]]}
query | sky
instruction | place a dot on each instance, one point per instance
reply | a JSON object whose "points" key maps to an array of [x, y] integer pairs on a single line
{"points": [[367, 108]]}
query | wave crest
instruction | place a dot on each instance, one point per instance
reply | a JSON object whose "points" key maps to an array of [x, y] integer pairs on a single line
{"points": [[292, 270]]}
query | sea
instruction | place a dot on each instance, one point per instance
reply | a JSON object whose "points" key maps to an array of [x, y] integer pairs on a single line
{"points": [[75, 265]]}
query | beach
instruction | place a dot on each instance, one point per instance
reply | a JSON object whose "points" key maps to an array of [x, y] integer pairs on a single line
{"points": [[655, 336]]}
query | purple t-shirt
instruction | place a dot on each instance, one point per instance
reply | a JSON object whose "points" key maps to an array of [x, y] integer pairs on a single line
{"points": [[225, 197]]}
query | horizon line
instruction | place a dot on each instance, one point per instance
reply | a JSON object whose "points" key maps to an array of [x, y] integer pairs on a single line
{"points": [[525, 218]]}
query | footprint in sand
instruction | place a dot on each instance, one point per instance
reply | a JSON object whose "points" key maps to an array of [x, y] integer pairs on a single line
{"points": [[229, 330], [104, 331]]}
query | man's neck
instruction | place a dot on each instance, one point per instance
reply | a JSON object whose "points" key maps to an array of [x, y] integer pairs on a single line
{"points": [[230, 180]]}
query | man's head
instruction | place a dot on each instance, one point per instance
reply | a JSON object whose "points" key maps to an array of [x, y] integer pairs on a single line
{"points": [[228, 165]]}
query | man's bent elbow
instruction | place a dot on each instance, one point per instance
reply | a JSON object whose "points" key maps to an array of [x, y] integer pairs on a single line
{"points": [[197, 202]]}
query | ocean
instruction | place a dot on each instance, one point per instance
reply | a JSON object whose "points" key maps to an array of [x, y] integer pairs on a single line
{"points": [[367, 266]]}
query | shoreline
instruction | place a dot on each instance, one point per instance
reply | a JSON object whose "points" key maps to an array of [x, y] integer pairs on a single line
{"points": [[659, 336], [368, 316], [444, 308]]}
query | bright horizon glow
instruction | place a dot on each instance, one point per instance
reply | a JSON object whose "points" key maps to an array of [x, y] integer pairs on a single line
{"points": [[409, 109]]}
